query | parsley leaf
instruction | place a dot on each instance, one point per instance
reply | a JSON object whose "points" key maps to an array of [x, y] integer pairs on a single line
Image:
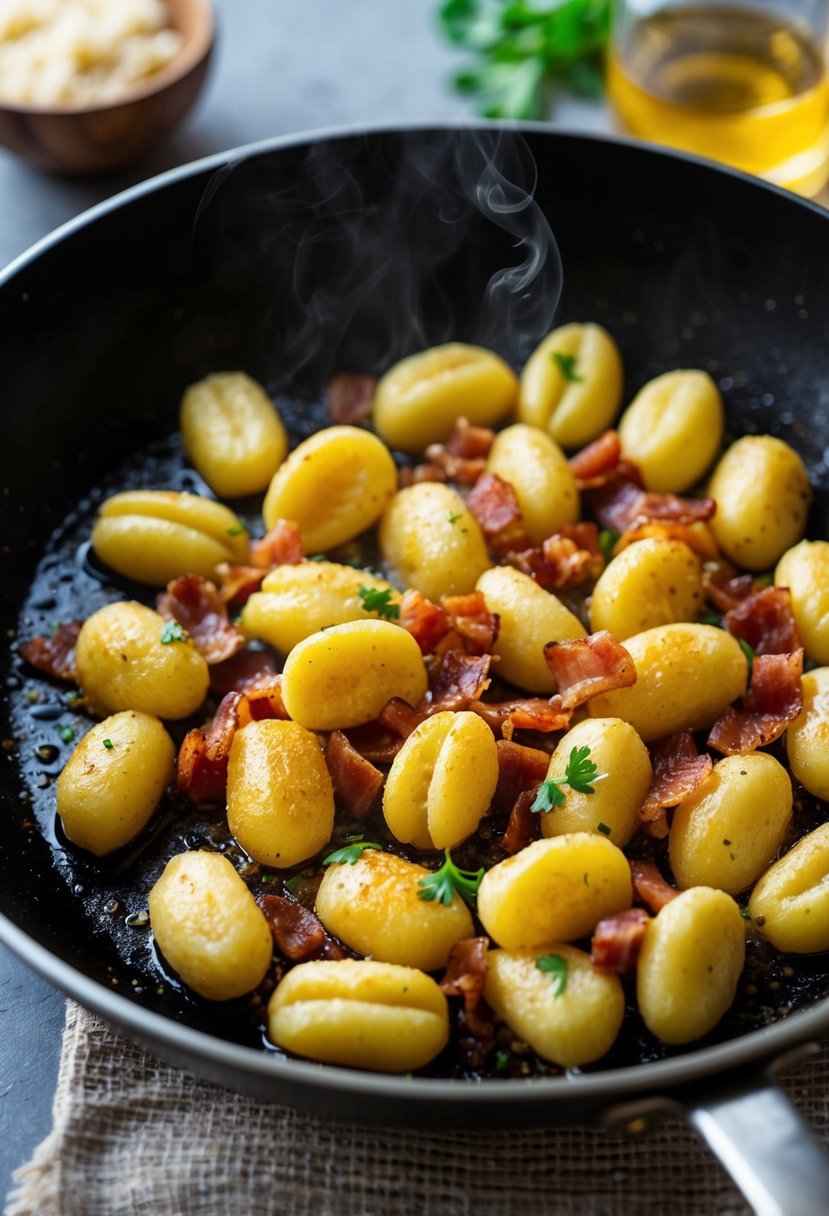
{"points": [[607, 543], [557, 968], [379, 602], [580, 774], [455, 516], [350, 853], [239, 528], [173, 632], [750, 657], [66, 733], [449, 881], [520, 47], [108, 744], [566, 364], [711, 618]]}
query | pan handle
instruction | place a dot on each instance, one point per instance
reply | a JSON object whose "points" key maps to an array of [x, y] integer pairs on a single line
{"points": [[758, 1135]]}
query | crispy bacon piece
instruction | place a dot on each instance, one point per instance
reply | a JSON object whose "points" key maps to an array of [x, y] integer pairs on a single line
{"points": [[588, 666], [765, 620], [472, 621], [197, 606], [597, 463], [461, 679], [649, 886], [529, 713], [678, 769], [296, 931], [427, 623], [410, 475], [696, 536], [724, 587], [245, 670], [774, 698], [623, 505], [569, 558], [465, 976], [523, 826], [282, 546], [519, 768], [238, 583], [617, 940], [349, 397], [493, 503], [203, 756], [55, 655], [463, 457], [380, 741], [356, 781], [399, 716]]}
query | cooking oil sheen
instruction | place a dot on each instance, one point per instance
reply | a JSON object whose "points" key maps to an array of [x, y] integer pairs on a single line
{"points": [[734, 84]]}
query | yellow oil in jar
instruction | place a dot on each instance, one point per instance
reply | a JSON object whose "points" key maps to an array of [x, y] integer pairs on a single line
{"points": [[734, 84]]}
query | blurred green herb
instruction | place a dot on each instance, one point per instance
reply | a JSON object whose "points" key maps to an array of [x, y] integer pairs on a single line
{"points": [[173, 632], [751, 655], [520, 48], [378, 601], [566, 364], [557, 968], [607, 543]]}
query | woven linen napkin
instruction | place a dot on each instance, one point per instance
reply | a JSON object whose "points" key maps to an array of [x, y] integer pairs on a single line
{"points": [[134, 1136]]}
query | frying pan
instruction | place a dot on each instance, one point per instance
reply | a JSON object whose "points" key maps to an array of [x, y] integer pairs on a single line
{"points": [[296, 258]]}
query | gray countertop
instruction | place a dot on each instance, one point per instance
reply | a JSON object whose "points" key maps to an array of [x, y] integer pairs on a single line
{"points": [[279, 67]]}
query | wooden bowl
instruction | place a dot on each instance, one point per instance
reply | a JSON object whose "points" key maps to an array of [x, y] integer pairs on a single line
{"points": [[90, 139]]}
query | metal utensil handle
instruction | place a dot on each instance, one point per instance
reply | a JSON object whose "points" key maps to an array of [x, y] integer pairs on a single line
{"points": [[768, 1148]]}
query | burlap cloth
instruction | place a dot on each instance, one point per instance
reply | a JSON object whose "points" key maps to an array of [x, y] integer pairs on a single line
{"points": [[133, 1136]]}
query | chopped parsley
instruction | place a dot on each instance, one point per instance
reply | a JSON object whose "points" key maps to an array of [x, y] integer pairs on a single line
{"points": [[557, 968], [66, 733], [455, 516], [449, 881], [291, 884], [751, 655], [379, 602], [604, 829], [108, 744], [566, 364], [580, 774], [238, 529], [711, 618], [319, 557], [607, 543], [351, 852], [173, 632]]}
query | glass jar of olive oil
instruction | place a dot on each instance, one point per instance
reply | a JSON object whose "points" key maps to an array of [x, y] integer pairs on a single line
{"points": [[745, 83]]}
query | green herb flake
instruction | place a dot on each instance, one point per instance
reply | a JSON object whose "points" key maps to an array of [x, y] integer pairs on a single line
{"points": [[449, 881], [766, 579], [379, 602], [580, 774], [604, 829], [750, 657], [744, 912], [607, 543], [238, 529], [502, 1060], [711, 618], [173, 632], [67, 734], [108, 744], [557, 968], [350, 853], [319, 557], [291, 884], [566, 364], [455, 516], [137, 920], [54, 626], [267, 878]]}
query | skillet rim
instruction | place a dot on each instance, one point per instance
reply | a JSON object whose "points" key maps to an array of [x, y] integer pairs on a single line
{"points": [[595, 1089]]}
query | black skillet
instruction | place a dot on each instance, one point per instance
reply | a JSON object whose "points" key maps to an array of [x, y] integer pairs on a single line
{"points": [[294, 259]]}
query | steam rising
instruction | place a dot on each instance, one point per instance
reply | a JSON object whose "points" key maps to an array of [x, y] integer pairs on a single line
{"points": [[382, 246]]}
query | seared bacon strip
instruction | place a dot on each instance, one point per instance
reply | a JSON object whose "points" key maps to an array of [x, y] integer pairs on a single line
{"points": [[427, 623], [649, 886], [569, 558], [263, 701], [588, 666], [238, 583], [678, 769], [494, 505], [472, 621], [600, 462], [281, 546], [765, 621], [529, 713], [55, 655], [356, 781], [471, 442], [349, 397], [298, 934], [774, 698], [724, 587], [463, 457], [399, 716], [245, 670], [380, 741], [523, 826], [617, 940], [519, 768], [197, 606], [465, 977], [623, 505], [410, 475], [461, 679]]}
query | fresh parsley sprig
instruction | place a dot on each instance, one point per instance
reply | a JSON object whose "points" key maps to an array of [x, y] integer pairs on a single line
{"points": [[379, 602], [449, 881], [557, 968], [566, 364], [580, 774], [351, 852], [173, 632], [521, 47]]}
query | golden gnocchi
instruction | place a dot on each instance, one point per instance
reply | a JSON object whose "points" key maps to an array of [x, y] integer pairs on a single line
{"points": [[431, 542], [572, 384], [537, 469]]}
